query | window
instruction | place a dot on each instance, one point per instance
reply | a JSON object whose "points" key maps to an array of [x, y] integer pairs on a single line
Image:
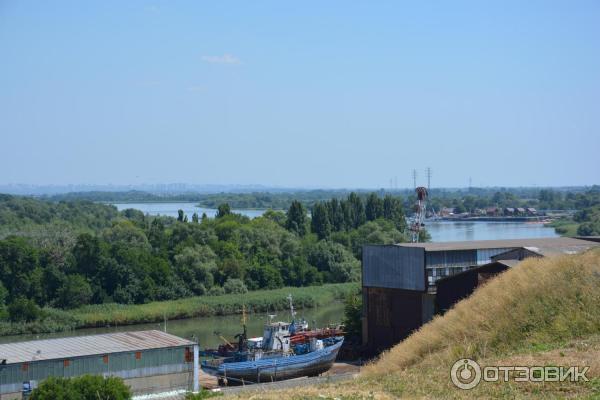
{"points": [[66, 363], [138, 355], [105, 359]]}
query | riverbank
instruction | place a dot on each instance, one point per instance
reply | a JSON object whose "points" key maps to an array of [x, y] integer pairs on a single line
{"points": [[102, 315]]}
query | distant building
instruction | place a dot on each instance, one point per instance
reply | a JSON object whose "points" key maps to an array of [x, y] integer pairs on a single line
{"points": [[148, 361], [492, 211], [399, 282], [531, 211], [446, 211], [509, 211], [520, 211]]}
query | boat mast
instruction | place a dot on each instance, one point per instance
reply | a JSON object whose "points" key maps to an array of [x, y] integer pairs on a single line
{"points": [[292, 311]]}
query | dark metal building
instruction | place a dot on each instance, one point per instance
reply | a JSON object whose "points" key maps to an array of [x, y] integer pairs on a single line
{"points": [[399, 281]]}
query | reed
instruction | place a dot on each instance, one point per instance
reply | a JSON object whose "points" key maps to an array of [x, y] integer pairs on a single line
{"points": [[255, 302]]}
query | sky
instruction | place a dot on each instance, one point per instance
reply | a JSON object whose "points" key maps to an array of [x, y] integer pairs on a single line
{"points": [[325, 94]]}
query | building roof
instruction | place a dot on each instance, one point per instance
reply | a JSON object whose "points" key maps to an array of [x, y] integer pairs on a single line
{"points": [[563, 242], [508, 263], [80, 346]]}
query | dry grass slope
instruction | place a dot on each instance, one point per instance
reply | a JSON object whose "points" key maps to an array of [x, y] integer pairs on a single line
{"points": [[543, 312]]}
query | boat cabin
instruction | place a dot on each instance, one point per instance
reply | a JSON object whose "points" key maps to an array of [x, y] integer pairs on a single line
{"points": [[276, 336]]}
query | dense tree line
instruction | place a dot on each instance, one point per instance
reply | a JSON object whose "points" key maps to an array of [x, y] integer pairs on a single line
{"points": [[129, 257], [465, 199], [542, 199], [589, 221]]}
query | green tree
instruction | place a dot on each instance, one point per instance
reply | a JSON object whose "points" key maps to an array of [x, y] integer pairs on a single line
{"points": [[195, 218], [296, 218], [75, 292], [180, 215], [337, 215], [194, 266], [18, 260], [320, 221], [335, 262], [236, 286], [374, 207], [355, 211], [263, 277], [223, 210], [23, 310], [393, 211]]}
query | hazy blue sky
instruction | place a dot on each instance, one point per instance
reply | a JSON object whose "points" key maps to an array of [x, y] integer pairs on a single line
{"points": [[325, 93]]}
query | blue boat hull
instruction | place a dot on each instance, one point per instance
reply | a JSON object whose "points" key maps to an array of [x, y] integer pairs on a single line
{"points": [[276, 369]]}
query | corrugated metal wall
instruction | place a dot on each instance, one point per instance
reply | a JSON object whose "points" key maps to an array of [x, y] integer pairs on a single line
{"points": [[484, 256], [392, 314], [393, 267], [125, 365]]}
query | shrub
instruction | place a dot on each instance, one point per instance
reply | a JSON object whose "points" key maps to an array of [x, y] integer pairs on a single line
{"points": [[87, 387], [235, 286], [23, 310]]}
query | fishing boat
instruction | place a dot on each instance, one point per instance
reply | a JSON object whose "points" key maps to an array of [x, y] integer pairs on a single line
{"points": [[286, 350]]}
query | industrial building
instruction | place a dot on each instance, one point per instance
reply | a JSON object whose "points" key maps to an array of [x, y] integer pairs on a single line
{"points": [[399, 281], [148, 361]]}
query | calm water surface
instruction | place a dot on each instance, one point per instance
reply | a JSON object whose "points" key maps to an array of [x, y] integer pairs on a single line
{"points": [[171, 209], [204, 328], [440, 231]]}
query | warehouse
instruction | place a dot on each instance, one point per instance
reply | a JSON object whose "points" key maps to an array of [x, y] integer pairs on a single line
{"points": [[399, 281], [148, 361]]}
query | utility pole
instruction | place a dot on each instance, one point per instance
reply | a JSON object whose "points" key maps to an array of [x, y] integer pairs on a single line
{"points": [[428, 179], [414, 173]]}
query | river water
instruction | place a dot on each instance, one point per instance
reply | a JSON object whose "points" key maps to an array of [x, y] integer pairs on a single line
{"points": [[440, 231], [204, 328]]}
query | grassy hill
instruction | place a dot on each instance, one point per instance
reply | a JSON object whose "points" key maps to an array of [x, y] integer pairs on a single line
{"points": [[543, 312]]}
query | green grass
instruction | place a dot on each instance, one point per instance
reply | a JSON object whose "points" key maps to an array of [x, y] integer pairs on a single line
{"points": [[257, 302], [564, 227]]}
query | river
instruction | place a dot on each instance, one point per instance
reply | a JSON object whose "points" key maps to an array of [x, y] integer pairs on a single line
{"points": [[440, 231], [204, 328]]}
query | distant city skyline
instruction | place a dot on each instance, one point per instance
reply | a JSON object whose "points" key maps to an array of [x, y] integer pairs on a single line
{"points": [[300, 95]]}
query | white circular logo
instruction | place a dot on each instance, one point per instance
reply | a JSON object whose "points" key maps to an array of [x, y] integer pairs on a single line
{"points": [[465, 373]]}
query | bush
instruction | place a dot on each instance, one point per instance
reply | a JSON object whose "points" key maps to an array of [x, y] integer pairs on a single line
{"points": [[87, 387], [23, 310], [203, 394], [352, 317], [235, 286], [216, 291]]}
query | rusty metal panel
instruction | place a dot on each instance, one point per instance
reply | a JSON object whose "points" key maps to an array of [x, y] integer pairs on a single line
{"points": [[393, 267]]}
